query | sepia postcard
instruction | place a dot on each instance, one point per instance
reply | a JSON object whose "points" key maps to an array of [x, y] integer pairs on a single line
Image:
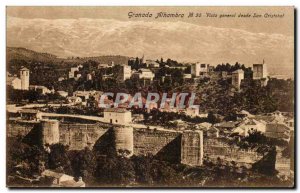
{"points": [[150, 97]]}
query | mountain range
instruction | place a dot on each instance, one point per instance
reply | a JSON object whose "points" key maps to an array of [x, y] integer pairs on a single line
{"points": [[181, 41]]}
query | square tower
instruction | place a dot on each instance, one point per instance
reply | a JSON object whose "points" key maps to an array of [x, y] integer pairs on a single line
{"points": [[192, 148], [260, 71], [237, 77], [24, 76]]}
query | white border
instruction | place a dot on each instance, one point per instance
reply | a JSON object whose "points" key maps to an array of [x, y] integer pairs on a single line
{"points": [[4, 3]]}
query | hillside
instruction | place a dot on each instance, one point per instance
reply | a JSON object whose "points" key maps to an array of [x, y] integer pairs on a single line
{"points": [[19, 53], [23, 54]]}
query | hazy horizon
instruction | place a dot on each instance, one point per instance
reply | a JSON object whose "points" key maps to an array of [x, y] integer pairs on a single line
{"points": [[64, 32]]}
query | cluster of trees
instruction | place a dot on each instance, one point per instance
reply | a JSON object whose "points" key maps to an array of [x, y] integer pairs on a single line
{"points": [[231, 68], [79, 110], [258, 141], [136, 64], [169, 62], [221, 99], [44, 73], [18, 96], [156, 117]]}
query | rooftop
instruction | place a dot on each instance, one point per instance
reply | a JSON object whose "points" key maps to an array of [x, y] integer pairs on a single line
{"points": [[116, 110], [145, 70], [34, 111], [227, 125], [24, 69], [276, 128], [10, 79], [238, 71], [53, 174], [72, 183]]}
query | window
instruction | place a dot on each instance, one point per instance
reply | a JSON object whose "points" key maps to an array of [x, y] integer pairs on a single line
{"points": [[203, 65]]}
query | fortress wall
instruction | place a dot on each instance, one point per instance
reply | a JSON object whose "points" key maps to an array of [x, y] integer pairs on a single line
{"points": [[17, 128], [215, 148], [162, 144], [79, 136], [283, 165], [148, 141]]}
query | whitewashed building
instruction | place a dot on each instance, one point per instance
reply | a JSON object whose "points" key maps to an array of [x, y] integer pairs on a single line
{"points": [[117, 116], [145, 74], [62, 93], [74, 100], [14, 82], [125, 73], [200, 70], [61, 179], [40, 89]]}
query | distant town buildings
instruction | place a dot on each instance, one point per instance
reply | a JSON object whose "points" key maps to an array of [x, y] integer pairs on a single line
{"points": [[151, 64], [250, 125], [125, 73], [72, 72], [145, 74], [85, 95], [200, 70], [105, 65]]}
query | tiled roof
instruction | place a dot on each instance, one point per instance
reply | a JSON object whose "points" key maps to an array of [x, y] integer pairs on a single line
{"points": [[53, 174], [29, 111], [276, 128], [116, 110], [227, 124], [24, 69]]}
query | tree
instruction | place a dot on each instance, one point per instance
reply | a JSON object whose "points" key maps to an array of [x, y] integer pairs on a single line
{"points": [[83, 163], [59, 160]]}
